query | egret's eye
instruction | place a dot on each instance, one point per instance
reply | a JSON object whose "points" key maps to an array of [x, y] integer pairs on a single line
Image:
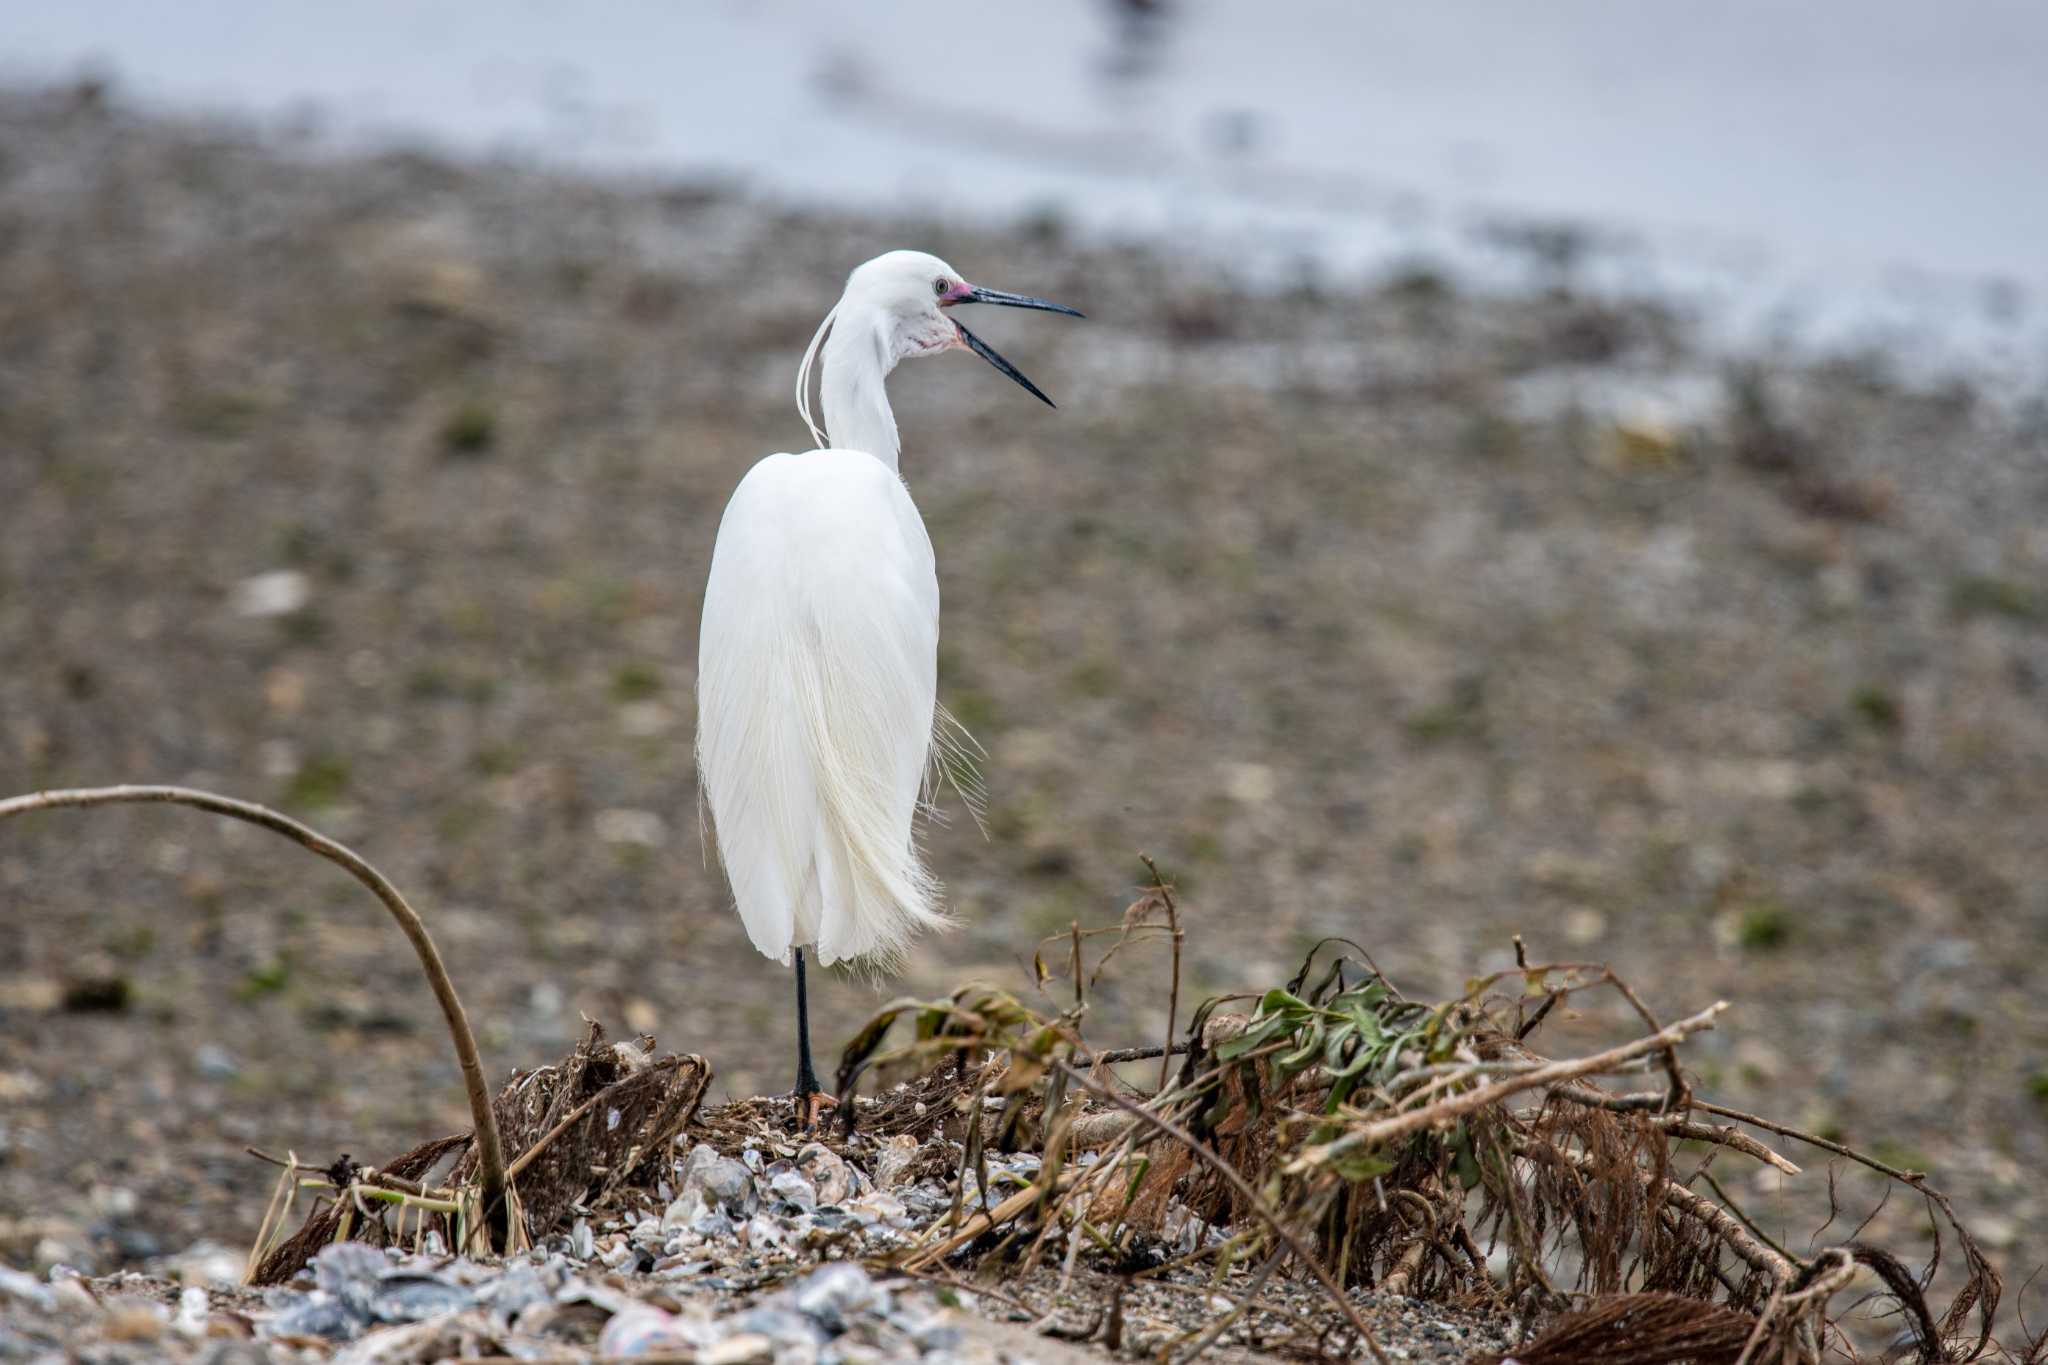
{"points": [[939, 286]]}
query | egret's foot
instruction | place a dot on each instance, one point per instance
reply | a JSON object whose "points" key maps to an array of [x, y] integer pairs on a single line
{"points": [[812, 1108]]}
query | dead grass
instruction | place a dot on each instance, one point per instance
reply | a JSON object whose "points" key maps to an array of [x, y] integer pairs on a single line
{"points": [[1342, 1131]]}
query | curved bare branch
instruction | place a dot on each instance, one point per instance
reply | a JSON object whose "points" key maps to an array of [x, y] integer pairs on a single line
{"points": [[490, 1153]]}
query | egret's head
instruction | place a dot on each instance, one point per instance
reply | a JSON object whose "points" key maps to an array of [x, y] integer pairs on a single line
{"points": [[911, 293]]}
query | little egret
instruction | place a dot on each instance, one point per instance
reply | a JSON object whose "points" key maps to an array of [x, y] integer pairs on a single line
{"points": [[817, 665]]}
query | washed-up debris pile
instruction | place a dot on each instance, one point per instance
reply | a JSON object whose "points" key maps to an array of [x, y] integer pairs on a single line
{"points": [[770, 1255], [738, 1266], [360, 1304]]}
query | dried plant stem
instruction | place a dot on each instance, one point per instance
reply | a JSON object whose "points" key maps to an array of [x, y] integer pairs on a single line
{"points": [[981, 1222], [1244, 1301], [1173, 999], [1444, 1111], [1139, 1054], [1728, 1202], [512, 1172], [1678, 1125], [490, 1153], [1913, 1178]]}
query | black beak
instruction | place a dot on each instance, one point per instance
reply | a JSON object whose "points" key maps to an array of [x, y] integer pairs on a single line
{"points": [[1007, 300], [988, 352]]}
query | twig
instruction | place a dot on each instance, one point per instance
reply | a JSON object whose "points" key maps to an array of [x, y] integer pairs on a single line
{"points": [[1141, 1054], [490, 1153], [1681, 1093], [526, 1158], [1748, 1222], [1983, 1287], [1677, 1125], [980, 1223], [1244, 1301], [952, 1281], [1173, 998], [1245, 1192], [1443, 1111], [1725, 1136], [1913, 1178]]}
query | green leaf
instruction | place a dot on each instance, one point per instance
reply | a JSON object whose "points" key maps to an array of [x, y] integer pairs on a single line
{"points": [[1357, 1164], [1333, 1045], [1256, 1037], [1305, 1055], [1368, 1023], [1277, 1001], [1462, 1155], [1138, 1169]]}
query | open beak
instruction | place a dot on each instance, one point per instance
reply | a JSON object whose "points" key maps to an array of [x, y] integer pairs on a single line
{"points": [[975, 294]]}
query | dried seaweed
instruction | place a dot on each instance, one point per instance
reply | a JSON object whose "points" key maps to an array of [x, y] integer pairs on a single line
{"points": [[1640, 1329], [1372, 1140], [601, 1119]]}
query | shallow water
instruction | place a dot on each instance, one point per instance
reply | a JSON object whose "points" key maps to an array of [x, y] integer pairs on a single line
{"points": [[1843, 172]]}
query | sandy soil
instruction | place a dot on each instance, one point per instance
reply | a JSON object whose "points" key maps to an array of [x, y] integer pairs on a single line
{"points": [[383, 489]]}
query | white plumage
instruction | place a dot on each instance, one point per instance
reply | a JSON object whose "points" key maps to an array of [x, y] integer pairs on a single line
{"points": [[817, 667], [816, 694]]}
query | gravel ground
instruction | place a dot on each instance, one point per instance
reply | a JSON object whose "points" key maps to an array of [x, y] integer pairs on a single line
{"points": [[748, 1256], [383, 489]]}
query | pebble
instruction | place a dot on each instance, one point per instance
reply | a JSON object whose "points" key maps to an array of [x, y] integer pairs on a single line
{"points": [[736, 1227], [746, 1348], [277, 593], [24, 1288]]}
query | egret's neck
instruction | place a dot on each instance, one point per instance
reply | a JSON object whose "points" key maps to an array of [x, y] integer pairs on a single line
{"points": [[857, 359]]}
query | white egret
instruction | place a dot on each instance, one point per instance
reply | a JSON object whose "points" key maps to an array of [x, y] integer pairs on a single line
{"points": [[817, 665]]}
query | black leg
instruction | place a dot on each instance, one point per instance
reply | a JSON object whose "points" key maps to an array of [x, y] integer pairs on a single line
{"points": [[806, 1077]]}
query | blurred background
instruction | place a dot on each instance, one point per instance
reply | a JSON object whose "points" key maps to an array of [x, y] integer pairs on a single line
{"points": [[1579, 474]]}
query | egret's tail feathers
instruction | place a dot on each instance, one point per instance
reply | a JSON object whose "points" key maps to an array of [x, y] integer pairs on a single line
{"points": [[956, 763], [874, 891]]}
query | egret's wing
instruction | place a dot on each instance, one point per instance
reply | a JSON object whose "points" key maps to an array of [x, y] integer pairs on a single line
{"points": [[817, 682]]}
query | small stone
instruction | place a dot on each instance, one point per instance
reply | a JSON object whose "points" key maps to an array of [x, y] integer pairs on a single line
{"points": [[766, 1234], [207, 1263], [938, 1334], [780, 1324], [744, 1348], [834, 1180], [714, 1227], [216, 1063], [625, 826], [1250, 784], [642, 1329], [794, 1191], [641, 719], [232, 1352], [278, 593], [73, 1299], [1995, 1231], [415, 1298], [894, 1160], [710, 1183], [1584, 926], [193, 1309], [832, 1293], [52, 1255], [134, 1322]]}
